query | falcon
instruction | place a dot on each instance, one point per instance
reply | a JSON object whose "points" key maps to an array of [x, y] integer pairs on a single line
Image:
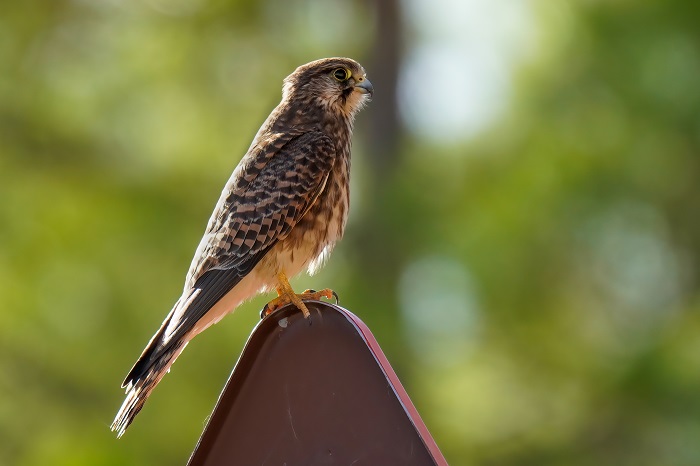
{"points": [[282, 210]]}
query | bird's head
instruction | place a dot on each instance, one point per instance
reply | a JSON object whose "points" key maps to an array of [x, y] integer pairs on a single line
{"points": [[339, 85]]}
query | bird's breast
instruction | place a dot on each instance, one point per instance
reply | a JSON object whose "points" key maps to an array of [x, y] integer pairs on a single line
{"points": [[313, 237]]}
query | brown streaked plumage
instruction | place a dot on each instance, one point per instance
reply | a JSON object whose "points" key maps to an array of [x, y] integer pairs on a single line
{"points": [[281, 212]]}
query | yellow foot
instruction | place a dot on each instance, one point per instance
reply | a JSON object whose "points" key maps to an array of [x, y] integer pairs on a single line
{"points": [[286, 295], [317, 295]]}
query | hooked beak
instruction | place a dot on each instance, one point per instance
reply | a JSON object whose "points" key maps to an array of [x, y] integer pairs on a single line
{"points": [[364, 86]]}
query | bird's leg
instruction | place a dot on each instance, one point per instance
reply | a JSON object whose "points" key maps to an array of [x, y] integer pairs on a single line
{"points": [[287, 295]]}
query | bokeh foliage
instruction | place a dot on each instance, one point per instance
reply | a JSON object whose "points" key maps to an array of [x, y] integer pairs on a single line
{"points": [[536, 287]]}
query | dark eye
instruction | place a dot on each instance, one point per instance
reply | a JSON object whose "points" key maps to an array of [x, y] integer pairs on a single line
{"points": [[341, 74]]}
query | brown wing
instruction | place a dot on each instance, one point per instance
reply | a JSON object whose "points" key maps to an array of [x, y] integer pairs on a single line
{"points": [[259, 207]]}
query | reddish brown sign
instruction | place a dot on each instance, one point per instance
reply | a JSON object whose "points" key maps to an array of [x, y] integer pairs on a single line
{"points": [[315, 391]]}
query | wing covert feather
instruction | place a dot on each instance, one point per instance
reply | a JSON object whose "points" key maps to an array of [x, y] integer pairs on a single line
{"points": [[252, 221]]}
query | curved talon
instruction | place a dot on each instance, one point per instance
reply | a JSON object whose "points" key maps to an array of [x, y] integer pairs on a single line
{"points": [[286, 295], [325, 293]]}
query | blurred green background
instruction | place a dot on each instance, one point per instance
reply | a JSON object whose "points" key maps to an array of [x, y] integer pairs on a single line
{"points": [[523, 240]]}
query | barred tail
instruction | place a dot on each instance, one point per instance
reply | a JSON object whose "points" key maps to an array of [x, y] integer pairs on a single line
{"points": [[140, 387]]}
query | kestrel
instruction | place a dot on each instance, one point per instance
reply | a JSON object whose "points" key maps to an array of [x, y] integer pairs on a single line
{"points": [[282, 210]]}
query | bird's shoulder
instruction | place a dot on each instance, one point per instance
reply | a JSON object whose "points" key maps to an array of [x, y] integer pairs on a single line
{"points": [[263, 168]]}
